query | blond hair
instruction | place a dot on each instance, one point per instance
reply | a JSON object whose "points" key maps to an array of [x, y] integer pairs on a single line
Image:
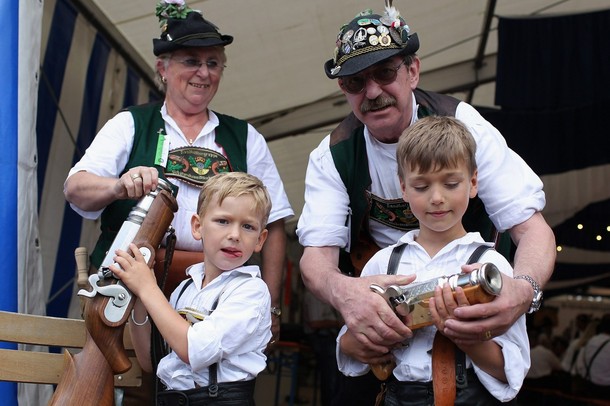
{"points": [[235, 184], [434, 143]]}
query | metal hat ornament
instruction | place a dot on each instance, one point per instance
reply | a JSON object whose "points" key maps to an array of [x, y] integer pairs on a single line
{"points": [[368, 39], [183, 27]]}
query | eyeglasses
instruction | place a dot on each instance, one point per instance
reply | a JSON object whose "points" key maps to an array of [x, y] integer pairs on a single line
{"points": [[193, 65], [382, 75]]}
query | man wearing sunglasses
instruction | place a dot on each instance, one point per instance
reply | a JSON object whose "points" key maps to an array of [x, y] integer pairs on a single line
{"points": [[353, 199]]}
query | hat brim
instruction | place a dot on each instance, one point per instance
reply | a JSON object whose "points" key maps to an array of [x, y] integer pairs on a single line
{"points": [[366, 60], [161, 47]]}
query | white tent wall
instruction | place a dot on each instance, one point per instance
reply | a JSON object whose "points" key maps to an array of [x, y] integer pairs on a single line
{"points": [[29, 267]]}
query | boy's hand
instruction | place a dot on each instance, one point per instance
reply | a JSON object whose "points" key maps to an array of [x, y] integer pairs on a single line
{"points": [[444, 303], [351, 347], [135, 273]]}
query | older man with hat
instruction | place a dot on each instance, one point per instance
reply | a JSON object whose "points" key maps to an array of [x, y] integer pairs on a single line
{"points": [[353, 201], [182, 140]]}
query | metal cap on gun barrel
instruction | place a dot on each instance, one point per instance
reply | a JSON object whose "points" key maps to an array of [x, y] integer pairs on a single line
{"points": [[487, 276], [132, 224], [139, 211]]}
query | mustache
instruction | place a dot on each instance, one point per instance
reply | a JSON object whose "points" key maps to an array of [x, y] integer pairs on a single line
{"points": [[378, 103]]}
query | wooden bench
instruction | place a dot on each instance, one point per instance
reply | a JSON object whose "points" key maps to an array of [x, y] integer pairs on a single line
{"points": [[42, 367]]}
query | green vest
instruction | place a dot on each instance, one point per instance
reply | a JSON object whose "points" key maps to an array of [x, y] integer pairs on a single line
{"points": [[348, 149], [231, 135]]}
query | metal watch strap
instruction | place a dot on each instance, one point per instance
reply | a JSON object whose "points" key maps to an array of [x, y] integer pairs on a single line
{"points": [[537, 299]]}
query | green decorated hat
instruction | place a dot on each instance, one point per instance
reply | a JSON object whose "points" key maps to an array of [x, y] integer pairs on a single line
{"points": [[183, 27], [368, 39]]}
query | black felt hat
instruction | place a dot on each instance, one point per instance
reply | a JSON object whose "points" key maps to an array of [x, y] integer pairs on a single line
{"points": [[192, 31], [368, 39]]}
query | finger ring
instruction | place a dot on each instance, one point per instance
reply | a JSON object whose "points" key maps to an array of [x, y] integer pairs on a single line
{"points": [[135, 176], [488, 335], [272, 342]]}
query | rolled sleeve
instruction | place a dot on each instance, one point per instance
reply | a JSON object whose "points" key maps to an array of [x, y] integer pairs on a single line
{"points": [[324, 220], [516, 363], [107, 155], [508, 187]]}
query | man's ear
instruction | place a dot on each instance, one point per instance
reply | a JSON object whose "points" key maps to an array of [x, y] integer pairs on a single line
{"points": [[414, 73], [196, 227]]}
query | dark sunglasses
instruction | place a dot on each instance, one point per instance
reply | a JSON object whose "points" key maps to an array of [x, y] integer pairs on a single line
{"points": [[382, 75]]}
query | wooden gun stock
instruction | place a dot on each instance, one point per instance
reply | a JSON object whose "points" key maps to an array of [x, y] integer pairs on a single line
{"points": [[88, 376]]}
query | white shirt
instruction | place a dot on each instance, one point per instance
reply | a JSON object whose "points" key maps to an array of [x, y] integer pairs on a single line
{"points": [[109, 153], [544, 362], [414, 362], [600, 367], [509, 189], [234, 335]]}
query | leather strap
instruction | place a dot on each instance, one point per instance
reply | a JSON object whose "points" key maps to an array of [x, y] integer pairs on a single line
{"points": [[443, 371], [395, 259], [444, 363], [175, 274]]}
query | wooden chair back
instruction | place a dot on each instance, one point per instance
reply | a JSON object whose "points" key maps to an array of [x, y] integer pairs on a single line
{"points": [[42, 367]]}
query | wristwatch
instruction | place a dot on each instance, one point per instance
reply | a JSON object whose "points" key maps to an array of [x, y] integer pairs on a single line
{"points": [[537, 300], [276, 311]]}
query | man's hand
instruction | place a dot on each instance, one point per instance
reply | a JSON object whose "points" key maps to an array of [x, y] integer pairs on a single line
{"points": [[275, 333], [372, 322], [366, 314], [484, 321]]}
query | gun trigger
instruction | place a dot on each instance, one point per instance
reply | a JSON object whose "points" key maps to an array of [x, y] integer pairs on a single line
{"points": [[119, 294]]}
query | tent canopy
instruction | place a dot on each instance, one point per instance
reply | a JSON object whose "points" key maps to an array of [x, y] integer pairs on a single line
{"points": [[275, 62], [275, 76]]}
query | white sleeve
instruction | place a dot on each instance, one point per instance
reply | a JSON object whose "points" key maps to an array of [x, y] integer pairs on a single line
{"points": [[325, 216], [515, 347], [508, 187], [239, 327], [375, 266], [347, 365], [108, 153]]}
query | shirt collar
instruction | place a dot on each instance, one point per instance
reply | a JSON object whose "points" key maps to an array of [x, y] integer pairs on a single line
{"points": [[197, 273]]}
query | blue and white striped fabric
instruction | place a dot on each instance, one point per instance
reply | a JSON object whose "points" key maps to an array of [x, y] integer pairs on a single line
{"points": [[83, 82]]}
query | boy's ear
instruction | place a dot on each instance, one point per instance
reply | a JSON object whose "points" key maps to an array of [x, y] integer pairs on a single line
{"points": [[261, 240], [196, 227], [474, 184], [404, 190]]}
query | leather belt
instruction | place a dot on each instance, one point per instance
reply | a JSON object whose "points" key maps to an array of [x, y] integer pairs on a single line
{"points": [[176, 274], [443, 371]]}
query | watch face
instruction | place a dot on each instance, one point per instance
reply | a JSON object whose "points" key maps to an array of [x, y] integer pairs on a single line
{"points": [[536, 301]]}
